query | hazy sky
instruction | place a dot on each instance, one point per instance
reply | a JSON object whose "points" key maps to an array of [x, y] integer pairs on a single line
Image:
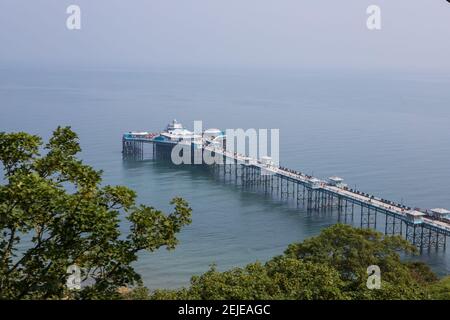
{"points": [[254, 33]]}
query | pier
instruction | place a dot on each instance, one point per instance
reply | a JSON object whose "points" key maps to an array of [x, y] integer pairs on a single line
{"points": [[427, 229]]}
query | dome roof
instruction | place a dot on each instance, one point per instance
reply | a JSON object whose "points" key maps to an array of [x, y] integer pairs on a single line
{"points": [[174, 125]]}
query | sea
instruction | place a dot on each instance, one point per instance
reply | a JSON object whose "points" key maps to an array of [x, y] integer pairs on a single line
{"points": [[386, 132]]}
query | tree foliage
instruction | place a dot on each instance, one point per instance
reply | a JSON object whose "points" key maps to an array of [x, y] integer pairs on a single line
{"points": [[54, 213], [332, 265], [351, 251], [281, 278], [440, 290]]}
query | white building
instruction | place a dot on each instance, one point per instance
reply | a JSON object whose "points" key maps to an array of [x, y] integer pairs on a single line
{"points": [[315, 183], [415, 216], [337, 182], [211, 134], [440, 213], [267, 161], [175, 132]]}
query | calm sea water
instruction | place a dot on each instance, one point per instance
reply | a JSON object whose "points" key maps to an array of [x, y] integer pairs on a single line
{"points": [[387, 133]]}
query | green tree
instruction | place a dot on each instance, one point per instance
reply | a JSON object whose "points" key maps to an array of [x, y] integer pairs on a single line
{"points": [[440, 290], [350, 251], [422, 272], [280, 278], [332, 265], [54, 213]]}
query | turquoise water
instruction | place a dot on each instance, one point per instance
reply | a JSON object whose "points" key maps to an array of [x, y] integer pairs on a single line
{"points": [[385, 132]]}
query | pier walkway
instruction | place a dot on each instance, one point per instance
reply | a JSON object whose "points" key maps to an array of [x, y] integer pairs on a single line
{"points": [[424, 228]]}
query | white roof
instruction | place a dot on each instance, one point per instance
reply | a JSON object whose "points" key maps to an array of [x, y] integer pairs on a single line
{"points": [[213, 130], [336, 179], [139, 133], [440, 211], [182, 132], [415, 213]]}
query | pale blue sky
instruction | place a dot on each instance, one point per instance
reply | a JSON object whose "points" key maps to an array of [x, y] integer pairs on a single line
{"points": [[252, 33]]}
